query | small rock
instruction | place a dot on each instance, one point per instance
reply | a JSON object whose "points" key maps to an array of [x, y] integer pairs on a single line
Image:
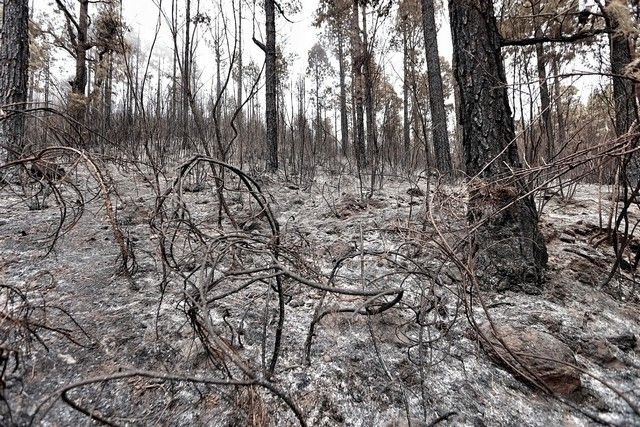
{"points": [[415, 192], [331, 231], [296, 303], [69, 360], [339, 249], [535, 350], [598, 350], [251, 225], [567, 238], [625, 342]]}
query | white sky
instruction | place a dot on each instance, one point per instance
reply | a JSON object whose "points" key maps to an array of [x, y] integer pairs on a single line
{"points": [[297, 38]]}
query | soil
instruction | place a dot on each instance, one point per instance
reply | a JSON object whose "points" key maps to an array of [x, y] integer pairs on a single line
{"points": [[68, 314]]}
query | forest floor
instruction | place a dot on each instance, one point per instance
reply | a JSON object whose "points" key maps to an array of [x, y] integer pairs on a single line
{"points": [[68, 316]]}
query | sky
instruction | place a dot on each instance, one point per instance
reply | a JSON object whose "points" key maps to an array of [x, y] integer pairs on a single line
{"points": [[297, 36]]}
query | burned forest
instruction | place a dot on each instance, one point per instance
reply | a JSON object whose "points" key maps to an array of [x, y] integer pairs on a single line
{"points": [[397, 213]]}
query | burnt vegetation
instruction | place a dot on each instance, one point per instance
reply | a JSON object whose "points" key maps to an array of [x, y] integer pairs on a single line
{"points": [[191, 242]]}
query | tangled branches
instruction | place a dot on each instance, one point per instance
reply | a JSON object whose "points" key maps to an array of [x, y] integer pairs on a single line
{"points": [[70, 175], [232, 264], [26, 316]]}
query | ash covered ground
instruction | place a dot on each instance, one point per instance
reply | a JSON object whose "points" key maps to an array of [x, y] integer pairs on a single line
{"points": [[189, 341]]}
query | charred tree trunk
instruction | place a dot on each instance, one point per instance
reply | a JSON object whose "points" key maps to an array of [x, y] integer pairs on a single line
{"points": [[626, 125], [406, 125], [436, 92], [271, 85], [357, 55], [372, 137], [318, 130], [174, 74], [545, 102], [560, 115], [79, 83], [344, 122], [626, 109], [545, 98], [14, 74], [186, 76], [458, 160], [108, 95], [240, 74], [509, 251]]}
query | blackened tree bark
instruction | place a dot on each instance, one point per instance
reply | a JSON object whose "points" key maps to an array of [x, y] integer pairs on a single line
{"points": [[372, 143], [108, 96], [186, 75], [626, 123], [626, 109], [344, 121], [239, 101], [509, 251], [174, 74], [357, 64], [79, 83], [78, 30], [406, 125], [557, 94], [436, 93], [14, 74], [545, 102], [271, 85], [545, 98]]}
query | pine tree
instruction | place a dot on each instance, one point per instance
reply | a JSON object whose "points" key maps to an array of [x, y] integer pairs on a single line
{"points": [[509, 251], [14, 69]]}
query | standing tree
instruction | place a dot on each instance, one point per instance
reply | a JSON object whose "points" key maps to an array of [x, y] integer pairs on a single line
{"points": [[357, 65], [271, 83], [14, 67], [336, 15], [319, 68], [240, 74], [406, 25], [186, 74], [545, 97], [509, 250], [619, 21], [415, 89], [367, 66], [436, 92], [78, 30]]}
